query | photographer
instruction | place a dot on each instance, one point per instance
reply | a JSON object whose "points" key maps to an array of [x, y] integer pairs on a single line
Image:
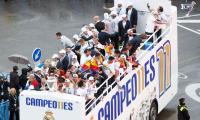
{"points": [[4, 94]]}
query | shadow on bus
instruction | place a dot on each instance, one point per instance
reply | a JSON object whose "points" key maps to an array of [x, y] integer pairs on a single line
{"points": [[166, 114]]}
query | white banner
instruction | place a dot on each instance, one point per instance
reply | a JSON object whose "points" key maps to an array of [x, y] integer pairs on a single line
{"points": [[42, 105]]}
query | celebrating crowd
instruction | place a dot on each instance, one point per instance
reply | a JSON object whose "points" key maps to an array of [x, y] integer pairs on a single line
{"points": [[104, 49]]}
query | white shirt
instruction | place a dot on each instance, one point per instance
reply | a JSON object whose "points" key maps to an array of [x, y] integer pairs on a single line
{"points": [[129, 14], [81, 92], [114, 24], [65, 41], [124, 24], [119, 11], [150, 25], [83, 47], [162, 17], [84, 59]]}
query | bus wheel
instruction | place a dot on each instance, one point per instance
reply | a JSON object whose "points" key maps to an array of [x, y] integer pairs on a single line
{"points": [[153, 113]]}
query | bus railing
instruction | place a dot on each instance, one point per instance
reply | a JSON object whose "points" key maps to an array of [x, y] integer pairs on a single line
{"points": [[4, 110], [90, 105]]}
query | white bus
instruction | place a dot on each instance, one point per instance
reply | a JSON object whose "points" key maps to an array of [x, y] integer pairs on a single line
{"points": [[145, 91]]}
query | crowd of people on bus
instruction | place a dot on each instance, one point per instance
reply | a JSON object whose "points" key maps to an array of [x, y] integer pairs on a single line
{"points": [[104, 49]]}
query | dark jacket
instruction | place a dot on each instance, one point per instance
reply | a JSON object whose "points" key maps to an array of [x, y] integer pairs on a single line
{"points": [[23, 78], [4, 94], [134, 16], [63, 64], [122, 30], [14, 80], [14, 103], [135, 42], [104, 37], [100, 26], [39, 80], [183, 113]]}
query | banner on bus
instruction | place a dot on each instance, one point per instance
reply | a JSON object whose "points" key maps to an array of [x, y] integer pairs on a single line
{"points": [[43, 105]]}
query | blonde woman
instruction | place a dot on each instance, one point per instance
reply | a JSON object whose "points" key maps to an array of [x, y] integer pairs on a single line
{"points": [[14, 105]]}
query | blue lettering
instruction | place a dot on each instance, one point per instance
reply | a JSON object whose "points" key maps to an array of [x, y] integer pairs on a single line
{"points": [[122, 99], [128, 101], [28, 101], [54, 104], [32, 102], [152, 75], [115, 109], [100, 114], [134, 87], [45, 103], [146, 73], [50, 104], [107, 111], [70, 106], [38, 102]]}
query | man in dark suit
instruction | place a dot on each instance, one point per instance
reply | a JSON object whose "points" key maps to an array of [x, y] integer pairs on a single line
{"points": [[99, 25], [104, 37], [134, 43], [63, 63], [123, 27], [132, 15], [14, 79]]}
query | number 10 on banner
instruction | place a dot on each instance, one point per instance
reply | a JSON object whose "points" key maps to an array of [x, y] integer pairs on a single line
{"points": [[164, 67]]}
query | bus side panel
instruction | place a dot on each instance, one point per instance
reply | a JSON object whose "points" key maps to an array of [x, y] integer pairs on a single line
{"points": [[170, 88]]}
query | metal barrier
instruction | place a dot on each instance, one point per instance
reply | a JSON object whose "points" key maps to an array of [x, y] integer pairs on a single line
{"points": [[4, 110]]}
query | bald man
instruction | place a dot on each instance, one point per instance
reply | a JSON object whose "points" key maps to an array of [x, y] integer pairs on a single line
{"points": [[99, 25]]}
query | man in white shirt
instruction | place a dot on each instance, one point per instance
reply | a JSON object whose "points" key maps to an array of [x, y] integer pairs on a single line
{"points": [[85, 57], [81, 91], [64, 40], [150, 25], [162, 19]]}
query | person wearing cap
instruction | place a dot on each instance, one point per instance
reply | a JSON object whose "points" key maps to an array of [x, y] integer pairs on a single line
{"points": [[86, 34], [75, 38], [183, 113], [123, 27], [132, 15], [54, 60], [114, 19], [14, 79], [83, 46], [129, 36], [75, 61], [118, 8], [64, 40], [91, 88]]}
